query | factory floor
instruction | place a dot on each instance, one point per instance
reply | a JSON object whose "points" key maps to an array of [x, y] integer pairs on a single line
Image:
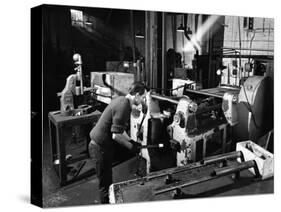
{"points": [[85, 191]]}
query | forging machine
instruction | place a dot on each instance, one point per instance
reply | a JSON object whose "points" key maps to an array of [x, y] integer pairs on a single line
{"points": [[200, 123], [188, 129]]}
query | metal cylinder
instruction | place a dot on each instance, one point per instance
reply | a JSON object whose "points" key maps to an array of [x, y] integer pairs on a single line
{"points": [[222, 157], [203, 93], [155, 96], [235, 168]]}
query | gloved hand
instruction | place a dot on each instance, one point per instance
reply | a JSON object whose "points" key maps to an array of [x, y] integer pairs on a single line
{"points": [[136, 147]]}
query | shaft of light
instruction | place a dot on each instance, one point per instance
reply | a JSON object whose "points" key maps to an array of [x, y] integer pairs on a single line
{"points": [[201, 32]]}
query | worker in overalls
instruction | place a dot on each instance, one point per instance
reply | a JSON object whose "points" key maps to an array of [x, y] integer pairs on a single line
{"points": [[111, 128]]}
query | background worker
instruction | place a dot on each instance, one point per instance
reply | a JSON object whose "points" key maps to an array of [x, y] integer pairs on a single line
{"points": [[111, 128]]}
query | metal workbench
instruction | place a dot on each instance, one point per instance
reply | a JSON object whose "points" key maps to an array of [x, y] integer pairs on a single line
{"points": [[58, 126]]}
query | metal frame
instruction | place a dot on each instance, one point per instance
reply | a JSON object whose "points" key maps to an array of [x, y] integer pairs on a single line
{"points": [[57, 124]]}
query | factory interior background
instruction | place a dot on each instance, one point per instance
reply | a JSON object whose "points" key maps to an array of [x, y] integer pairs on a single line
{"points": [[211, 81]]}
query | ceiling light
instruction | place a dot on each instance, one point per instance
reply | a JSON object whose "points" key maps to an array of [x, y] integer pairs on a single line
{"points": [[189, 31]]}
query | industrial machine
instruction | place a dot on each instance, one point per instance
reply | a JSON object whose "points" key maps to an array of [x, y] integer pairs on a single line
{"points": [[247, 108], [103, 87], [188, 126], [226, 96], [189, 129], [255, 108], [151, 128], [210, 176], [201, 123], [80, 108], [232, 74], [70, 126], [199, 128], [70, 89], [108, 85]]}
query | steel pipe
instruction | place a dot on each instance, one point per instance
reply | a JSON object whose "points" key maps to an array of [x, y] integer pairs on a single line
{"points": [[222, 157], [235, 168], [203, 93], [164, 98]]}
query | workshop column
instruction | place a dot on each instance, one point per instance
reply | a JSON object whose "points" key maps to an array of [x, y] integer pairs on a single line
{"points": [[163, 60], [151, 48]]}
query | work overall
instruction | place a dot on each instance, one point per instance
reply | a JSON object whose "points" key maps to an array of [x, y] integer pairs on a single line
{"points": [[102, 158]]}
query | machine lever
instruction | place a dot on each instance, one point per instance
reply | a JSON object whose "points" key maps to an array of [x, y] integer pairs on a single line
{"points": [[152, 146]]}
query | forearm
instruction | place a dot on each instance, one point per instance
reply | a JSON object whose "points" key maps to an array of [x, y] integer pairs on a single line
{"points": [[126, 135]]}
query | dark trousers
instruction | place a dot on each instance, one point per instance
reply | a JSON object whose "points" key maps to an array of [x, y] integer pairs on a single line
{"points": [[103, 159]]}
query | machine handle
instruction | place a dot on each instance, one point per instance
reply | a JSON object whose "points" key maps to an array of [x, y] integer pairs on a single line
{"points": [[151, 146]]}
